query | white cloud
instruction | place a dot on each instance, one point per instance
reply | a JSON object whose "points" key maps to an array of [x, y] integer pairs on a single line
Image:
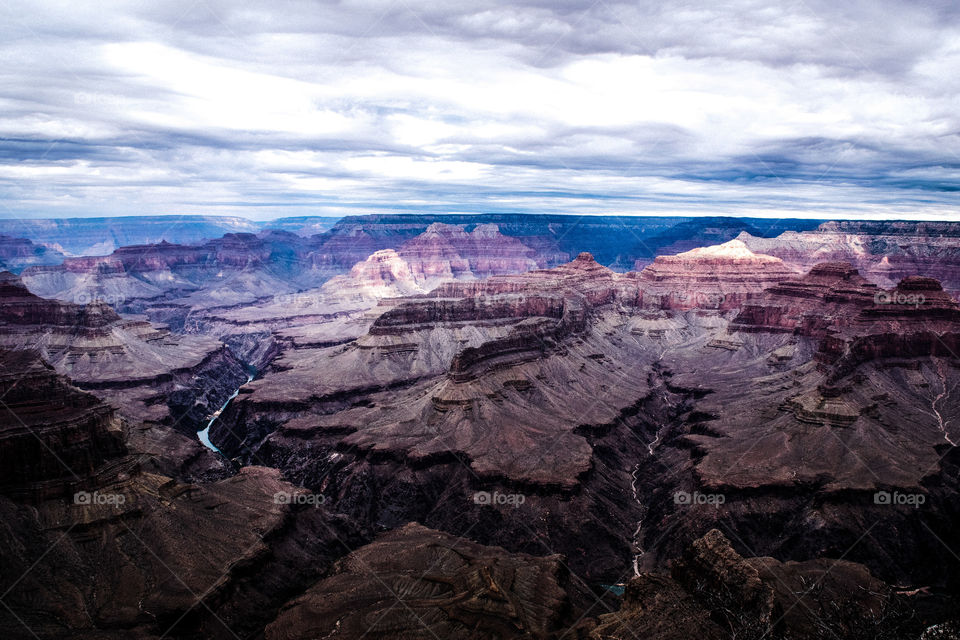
{"points": [[354, 106]]}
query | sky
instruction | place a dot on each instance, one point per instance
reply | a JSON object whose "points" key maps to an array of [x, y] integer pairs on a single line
{"points": [[285, 108]]}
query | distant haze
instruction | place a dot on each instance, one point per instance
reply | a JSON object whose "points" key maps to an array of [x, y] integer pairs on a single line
{"points": [[808, 109]]}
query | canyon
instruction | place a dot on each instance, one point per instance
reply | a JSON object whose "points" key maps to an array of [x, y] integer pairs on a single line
{"points": [[485, 426]]}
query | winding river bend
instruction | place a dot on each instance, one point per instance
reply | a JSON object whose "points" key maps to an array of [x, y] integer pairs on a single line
{"points": [[204, 434]]}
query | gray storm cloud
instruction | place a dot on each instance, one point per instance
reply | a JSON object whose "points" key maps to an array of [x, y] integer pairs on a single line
{"points": [[796, 108]]}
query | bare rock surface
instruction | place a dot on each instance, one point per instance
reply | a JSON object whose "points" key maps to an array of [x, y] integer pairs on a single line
{"points": [[166, 385], [471, 359], [415, 582], [343, 307], [834, 401], [160, 558], [18, 253], [51, 434], [717, 277], [714, 592], [541, 385], [94, 545], [886, 252]]}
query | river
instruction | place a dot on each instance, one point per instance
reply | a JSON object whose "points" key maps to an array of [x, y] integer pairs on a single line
{"points": [[204, 435]]}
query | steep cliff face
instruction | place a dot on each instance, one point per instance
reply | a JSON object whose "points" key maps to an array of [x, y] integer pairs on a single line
{"points": [[714, 592], [915, 319], [885, 252], [827, 397], [18, 253], [480, 386], [338, 311], [720, 277], [553, 383], [448, 252], [95, 544], [21, 308], [510, 385], [443, 252], [830, 293], [853, 319], [52, 436], [615, 241], [384, 274], [91, 342], [155, 378], [458, 333], [139, 555], [570, 410]]}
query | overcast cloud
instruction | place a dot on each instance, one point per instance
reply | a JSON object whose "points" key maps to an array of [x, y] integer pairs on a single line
{"points": [[265, 109]]}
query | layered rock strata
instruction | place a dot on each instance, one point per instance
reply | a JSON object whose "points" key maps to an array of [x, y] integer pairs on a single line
{"points": [[885, 252], [837, 403], [721, 277], [537, 385], [166, 385]]}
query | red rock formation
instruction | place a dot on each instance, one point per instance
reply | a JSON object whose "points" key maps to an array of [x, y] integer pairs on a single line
{"points": [[885, 252], [139, 555], [336, 311], [384, 274], [237, 268], [917, 318], [720, 277], [21, 308], [92, 343], [855, 321], [513, 319], [447, 252], [504, 380], [832, 292], [19, 253]]}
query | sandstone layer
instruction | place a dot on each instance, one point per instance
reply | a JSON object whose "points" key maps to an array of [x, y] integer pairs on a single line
{"points": [[885, 252], [720, 277]]}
